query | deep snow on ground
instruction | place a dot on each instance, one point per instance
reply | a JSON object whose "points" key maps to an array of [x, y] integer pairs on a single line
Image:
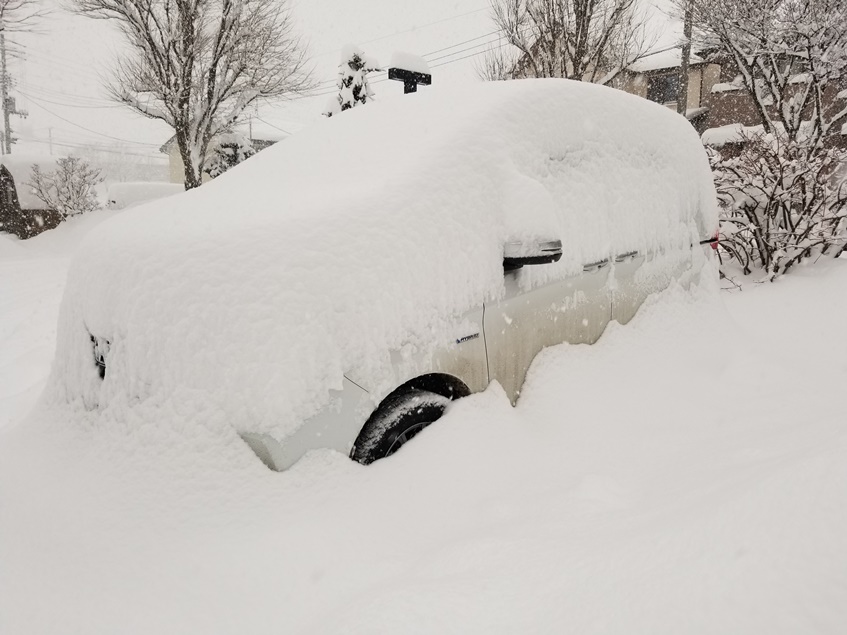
{"points": [[615, 498]]}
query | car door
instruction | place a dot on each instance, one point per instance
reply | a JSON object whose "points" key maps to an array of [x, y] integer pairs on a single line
{"points": [[575, 310], [637, 275]]}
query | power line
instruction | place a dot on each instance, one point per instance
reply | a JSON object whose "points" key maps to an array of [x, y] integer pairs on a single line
{"points": [[92, 147], [416, 28], [272, 125], [496, 48], [470, 48], [473, 39], [56, 103], [73, 123], [441, 50]]}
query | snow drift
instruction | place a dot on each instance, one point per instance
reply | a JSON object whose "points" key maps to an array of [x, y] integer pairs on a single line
{"points": [[248, 299]]}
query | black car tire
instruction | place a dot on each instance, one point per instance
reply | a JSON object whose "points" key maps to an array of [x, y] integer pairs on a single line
{"points": [[396, 422]]}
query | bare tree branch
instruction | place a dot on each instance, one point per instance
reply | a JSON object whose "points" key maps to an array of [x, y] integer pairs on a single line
{"points": [[587, 40], [197, 64]]}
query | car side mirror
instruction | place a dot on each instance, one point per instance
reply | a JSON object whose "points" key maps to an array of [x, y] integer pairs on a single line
{"points": [[517, 253]]}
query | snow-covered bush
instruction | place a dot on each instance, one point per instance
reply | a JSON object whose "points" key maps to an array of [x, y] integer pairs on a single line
{"points": [[353, 88], [781, 203], [69, 189], [226, 151]]}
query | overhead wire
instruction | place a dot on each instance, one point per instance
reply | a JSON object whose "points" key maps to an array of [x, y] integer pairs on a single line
{"points": [[81, 127]]}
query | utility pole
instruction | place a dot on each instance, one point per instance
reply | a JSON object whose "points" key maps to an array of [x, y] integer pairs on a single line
{"points": [[7, 128], [682, 98]]}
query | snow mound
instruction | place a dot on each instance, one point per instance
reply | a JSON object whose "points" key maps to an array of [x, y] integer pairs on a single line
{"points": [[123, 195], [249, 298]]}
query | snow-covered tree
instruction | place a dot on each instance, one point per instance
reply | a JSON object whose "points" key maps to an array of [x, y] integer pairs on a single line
{"points": [[226, 151], [353, 88], [783, 199], [780, 204], [197, 64], [587, 40], [791, 56], [69, 189]]}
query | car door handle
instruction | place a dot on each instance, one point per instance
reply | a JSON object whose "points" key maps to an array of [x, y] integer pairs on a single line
{"points": [[630, 255], [595, 266]]}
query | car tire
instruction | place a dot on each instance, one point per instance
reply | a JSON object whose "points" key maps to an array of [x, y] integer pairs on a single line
{"points": [[396, 422]]}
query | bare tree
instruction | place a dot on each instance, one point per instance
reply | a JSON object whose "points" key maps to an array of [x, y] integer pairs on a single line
{"points": [[197, 64], [588, 40], [69, 189], [19, 15]]}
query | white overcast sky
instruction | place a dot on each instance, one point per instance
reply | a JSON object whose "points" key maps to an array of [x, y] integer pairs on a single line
{"points": [[59, 73]]}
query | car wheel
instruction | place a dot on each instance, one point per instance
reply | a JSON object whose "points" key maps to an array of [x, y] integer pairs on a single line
{"points": [[396, 423]]}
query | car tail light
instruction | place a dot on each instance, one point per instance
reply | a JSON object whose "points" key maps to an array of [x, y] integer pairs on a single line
{"points": [[715, 240]]}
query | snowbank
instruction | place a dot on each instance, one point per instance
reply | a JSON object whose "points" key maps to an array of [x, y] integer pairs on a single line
{"points": [[123, 195], [612, 500], [247, 300]]}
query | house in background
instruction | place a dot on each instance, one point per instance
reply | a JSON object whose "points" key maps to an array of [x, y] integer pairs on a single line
{"points": [[261, 134], [656, 77], [21, 212]]}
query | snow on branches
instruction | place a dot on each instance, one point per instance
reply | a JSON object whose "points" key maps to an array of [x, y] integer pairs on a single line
{"points": [[781, 203], [791, 55], [69, 189], [226, 151], [587, 40], [784, 195], [353, 88]]}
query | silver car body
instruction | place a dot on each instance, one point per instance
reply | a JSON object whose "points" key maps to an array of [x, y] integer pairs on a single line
{"points": [[499, 342]]}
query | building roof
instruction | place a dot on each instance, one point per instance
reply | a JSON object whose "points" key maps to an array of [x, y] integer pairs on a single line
{"points": [[663, 59], [259, 130]]}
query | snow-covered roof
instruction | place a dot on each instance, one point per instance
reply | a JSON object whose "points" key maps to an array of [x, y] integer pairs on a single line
{"points": [[731, 133], [693, 113], [254, 294], [726, 87], [20, 167], [660, 60], [256, 129], [739, 133]]}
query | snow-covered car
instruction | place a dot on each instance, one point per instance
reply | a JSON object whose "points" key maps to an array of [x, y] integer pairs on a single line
{"points": [[339, 289]]}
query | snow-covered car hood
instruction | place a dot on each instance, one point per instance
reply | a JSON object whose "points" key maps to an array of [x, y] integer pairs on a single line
{"points": [[250, 297]]}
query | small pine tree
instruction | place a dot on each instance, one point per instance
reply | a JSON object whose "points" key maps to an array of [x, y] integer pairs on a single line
{"points": [[226, 151], [353, 88]]}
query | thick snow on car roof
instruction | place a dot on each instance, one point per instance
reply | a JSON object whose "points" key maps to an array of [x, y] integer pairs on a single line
{"points": [[250, 297]]}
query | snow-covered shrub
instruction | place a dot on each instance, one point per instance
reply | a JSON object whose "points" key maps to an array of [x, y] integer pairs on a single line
{"points": [[226, 151], [353, 88], [69, 189], [781, 203]]}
